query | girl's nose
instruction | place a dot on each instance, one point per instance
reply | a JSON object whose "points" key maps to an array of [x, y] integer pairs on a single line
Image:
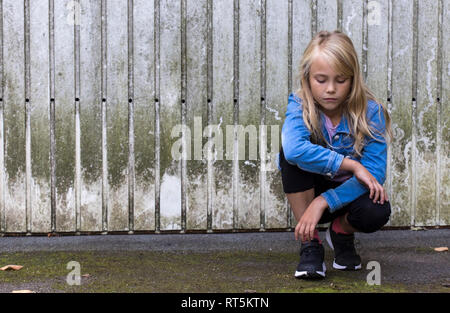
{"points": [[331, 88]]}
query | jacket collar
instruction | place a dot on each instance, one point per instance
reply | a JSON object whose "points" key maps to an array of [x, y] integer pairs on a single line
{"points": [[342, 127]]}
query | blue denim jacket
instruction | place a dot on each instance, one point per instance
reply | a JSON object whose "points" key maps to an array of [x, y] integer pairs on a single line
{"points": [[298, 150]]}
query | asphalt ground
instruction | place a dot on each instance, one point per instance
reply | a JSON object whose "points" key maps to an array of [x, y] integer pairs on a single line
{"points": [[407, 258]]}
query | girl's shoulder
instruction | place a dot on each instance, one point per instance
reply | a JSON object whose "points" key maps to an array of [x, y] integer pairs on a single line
{"points": [[293, 97], [294, 102], [373, 106], [375, 114]]}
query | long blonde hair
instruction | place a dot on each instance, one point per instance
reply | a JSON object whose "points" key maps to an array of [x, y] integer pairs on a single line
{"points": [[339, 51]]}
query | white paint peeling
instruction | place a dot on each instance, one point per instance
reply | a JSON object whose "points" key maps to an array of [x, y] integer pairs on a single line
{"points": [[277, 117], [402, 52], [170, 195], [349, 21], [249, 163]]}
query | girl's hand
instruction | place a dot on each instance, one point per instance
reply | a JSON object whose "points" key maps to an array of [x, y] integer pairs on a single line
{"points": [[307, 223], [376, 190]]}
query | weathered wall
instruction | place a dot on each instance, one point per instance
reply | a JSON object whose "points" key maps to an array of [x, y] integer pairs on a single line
{"points": [[93, 91]]}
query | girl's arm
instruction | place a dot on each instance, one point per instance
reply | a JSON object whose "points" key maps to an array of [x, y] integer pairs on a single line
{"points": [[364, 176], [373, 160], [298, 149]]}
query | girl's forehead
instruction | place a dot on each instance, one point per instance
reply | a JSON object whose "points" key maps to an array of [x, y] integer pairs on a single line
{"points": [[319, 63]]}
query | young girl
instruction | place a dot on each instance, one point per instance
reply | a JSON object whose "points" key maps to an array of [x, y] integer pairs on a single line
{"points": [[333, 155]]}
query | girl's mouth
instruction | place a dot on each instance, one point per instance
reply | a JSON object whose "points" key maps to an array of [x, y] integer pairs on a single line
{"points": [[330, 99]]}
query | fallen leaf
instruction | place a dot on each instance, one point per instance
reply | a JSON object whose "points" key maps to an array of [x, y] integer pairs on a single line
{"points": [[85, 275], [11, 267], [417, 228], [249, 291], [441, 249], [22, 291]]}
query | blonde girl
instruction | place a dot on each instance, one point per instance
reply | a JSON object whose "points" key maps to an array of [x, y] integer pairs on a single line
{"points": [[333, 155]]}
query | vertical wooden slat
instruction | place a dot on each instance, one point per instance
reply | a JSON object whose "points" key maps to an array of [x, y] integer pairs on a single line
{"points": [[364, 38], [157, 63], [278, 76], [185, 135], [170, 114], [426, 113], [401, 113], [414, 112], [248, 188], [196, 112], [144, 125], [210, 113], [314, 18], [117, 115], [438, 113], [28, 203], [444, 115], [339, 13], [290, 89], [131, 157], [353, 26], [327, 15], [388, 73], [262, 129], [64, 116], [222, 104], [40, 130], [76, 25], [301, 36], [376, 49], [2, 130], [104, 111], [91, 115], [14, 115], [51, 31], [236, 77]]}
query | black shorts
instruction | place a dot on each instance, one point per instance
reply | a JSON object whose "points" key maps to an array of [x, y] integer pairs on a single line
{"points": [[364, 215]]}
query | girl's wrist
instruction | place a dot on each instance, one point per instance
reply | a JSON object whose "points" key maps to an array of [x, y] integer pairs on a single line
{"points": [[321, 203], [349, 165]]}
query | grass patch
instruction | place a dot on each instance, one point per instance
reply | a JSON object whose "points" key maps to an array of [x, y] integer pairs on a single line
{"points": [[149, 271]]}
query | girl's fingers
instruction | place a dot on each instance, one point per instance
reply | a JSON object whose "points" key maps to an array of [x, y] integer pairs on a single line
{"points": [[300, 231], [377, 193], [382, 195], [371, 190], [311, 231]]}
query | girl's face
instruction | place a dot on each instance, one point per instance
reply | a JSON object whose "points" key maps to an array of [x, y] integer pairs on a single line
{"points": [[329, 88]]}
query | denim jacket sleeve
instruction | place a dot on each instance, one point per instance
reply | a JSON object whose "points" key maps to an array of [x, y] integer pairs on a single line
{"points": [[374, 159], [297, 147]]}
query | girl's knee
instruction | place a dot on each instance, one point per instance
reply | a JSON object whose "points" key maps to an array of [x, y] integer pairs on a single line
{"points": [[371, 217]]}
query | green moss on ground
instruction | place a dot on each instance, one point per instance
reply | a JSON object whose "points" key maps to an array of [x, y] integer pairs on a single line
{"points": [[145, 271]]}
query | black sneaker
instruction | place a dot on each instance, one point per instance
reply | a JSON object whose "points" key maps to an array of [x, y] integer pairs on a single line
{"points": [[311, 260], [345, 256]]}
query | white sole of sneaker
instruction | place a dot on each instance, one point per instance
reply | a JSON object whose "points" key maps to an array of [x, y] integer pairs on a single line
{"points": [[305, 274], [341, 267]]}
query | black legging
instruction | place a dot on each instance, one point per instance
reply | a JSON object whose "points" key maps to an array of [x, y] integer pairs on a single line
{"points": [[363, 214]]}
